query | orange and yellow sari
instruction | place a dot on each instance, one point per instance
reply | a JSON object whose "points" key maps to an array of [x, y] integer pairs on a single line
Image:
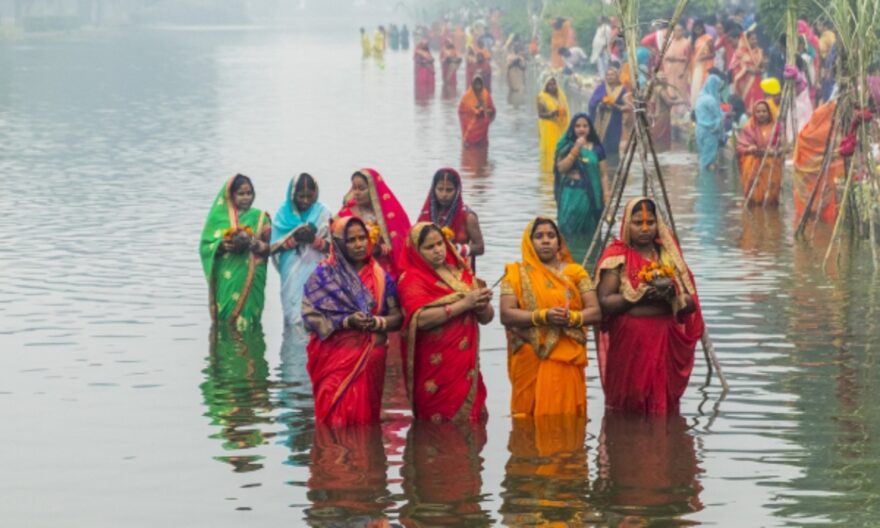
{"points": [[475, 114], [809, 154], [762, 137], [545, 363]]}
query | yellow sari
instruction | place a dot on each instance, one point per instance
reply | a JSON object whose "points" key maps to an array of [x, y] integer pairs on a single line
{"points": [[545, 363], [551, 130]]}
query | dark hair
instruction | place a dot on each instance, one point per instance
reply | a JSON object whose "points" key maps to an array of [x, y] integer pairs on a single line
{"points": [[557, 24], [447, 175], [305, 181], [541, 221], [697, 23], [738, 106], [563, 52], [348, 226], [648, 203], [592, 135], [425, 232], [359, 174], [238, 181]]}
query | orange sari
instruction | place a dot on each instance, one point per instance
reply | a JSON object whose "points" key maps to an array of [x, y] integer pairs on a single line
{"points": [[808, 158], [699, 69], [763, 137], [475, 114], [747, 84], [545, 363], [442, 364]]}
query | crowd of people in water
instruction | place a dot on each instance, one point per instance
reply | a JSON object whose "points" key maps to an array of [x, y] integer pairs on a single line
{"points": [[365, 279], [717, 87]]}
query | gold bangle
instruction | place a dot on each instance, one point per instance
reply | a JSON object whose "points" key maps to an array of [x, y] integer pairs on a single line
{"points": [[544, 315], [535, 313]]}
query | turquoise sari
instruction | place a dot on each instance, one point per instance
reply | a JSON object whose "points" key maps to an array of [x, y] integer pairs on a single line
{"points": [[297, 264], [579, 203]]}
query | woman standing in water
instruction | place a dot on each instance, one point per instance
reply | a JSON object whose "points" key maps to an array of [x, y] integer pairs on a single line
{"points": [[449, 62], [547, 301], [444, 304], [445, 207], [652, 318], [424, 62], [234, 248], [479, 63], [702, 59], [580, 182], [300, 240], [710, 121], [552, 118], [349, 305], [371, 200], [476, 111], [761, 135], [607, 106]]}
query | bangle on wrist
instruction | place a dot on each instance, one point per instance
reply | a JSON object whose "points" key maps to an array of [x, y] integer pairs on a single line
{"points": [[535, 314]]}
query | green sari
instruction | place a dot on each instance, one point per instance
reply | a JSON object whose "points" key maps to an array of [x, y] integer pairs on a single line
{"points": [[580, 203], [236, 281]]}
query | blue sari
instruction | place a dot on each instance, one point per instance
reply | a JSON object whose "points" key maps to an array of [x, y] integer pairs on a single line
{"points": [[579, 203], [297, 264], [608, 119], [710, 121]]}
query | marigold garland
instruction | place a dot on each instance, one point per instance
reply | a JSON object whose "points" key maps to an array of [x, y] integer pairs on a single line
{"points": [[653, 270]]}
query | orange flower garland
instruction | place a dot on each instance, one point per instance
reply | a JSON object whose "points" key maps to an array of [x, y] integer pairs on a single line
{"points": [[608, 100], [653, 270], [230, 232]]}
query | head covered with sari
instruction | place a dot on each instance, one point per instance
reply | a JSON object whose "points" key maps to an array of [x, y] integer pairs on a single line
{"points": [[431, 210], [241, 291], [288, 218], [753, 133], [537, 287], [426, 287], [392, 219], [566, 143], [621, 252], [335, 290]]}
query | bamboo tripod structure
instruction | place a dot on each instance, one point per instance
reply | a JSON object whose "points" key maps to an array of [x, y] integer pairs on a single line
{"points": [[642, 138]]}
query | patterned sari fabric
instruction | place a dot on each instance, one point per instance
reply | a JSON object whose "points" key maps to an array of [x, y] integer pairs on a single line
{"points": [[347, 366], [608, 119], [579, 203], [546, 363], [475, 114], [391, 219], [236, 281], [645, 362], [297, 264], [763, 137], [442, 364], [809, 154]]}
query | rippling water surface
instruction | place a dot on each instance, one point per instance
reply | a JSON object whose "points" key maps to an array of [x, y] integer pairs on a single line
{"points": [[120, 409]]}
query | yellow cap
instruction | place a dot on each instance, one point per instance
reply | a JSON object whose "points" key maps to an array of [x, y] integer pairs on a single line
{"points": [[771, 86]]}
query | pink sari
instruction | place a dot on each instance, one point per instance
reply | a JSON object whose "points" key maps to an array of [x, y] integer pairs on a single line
{"points": [[391, 219]]}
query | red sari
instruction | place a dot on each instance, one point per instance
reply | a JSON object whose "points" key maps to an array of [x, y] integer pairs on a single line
{"points": [[455, 218], [391, 219], [346, 366], [442, 364], [475, 114], [424, 63], [645, 361], [747, 84]]}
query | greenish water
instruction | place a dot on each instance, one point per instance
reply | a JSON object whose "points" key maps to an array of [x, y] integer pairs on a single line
{"points": [[120, 409]]}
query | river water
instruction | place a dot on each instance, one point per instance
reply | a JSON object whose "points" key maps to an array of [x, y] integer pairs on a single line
{"points": [[118, 409]]}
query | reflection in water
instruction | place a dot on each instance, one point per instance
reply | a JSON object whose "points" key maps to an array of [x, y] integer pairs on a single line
{"points": [[236, 393], [475, 161], [762, 231], [347, 486], [442, 475], [295, 395], [546, 478], [648, 470]]}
